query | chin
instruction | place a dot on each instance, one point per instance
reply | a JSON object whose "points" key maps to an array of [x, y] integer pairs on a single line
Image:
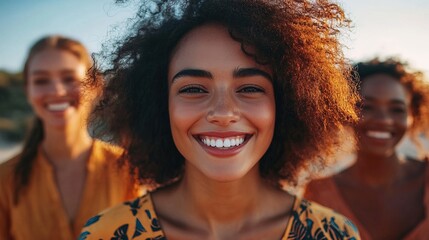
{"points": [[382, 152], [56, 124], [225, 176]]}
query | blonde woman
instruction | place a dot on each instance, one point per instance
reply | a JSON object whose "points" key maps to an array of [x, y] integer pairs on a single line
{"points": [[62, 176]]}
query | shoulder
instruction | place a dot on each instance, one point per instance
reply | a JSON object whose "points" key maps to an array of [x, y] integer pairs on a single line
{"points": [[413, 168], [318, 187], [320, 182], [106, 154], [314, 221], [7, 169], [7, 181], [133, 219], [107, 149]]}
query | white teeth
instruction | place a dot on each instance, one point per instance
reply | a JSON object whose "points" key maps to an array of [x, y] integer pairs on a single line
{"points": [[223, 142], [219, 143], [379, 135], [227, 143], [58, 106]]}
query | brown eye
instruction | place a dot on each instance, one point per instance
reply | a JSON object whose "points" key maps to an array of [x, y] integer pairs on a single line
{"points": [[192, 90], [69, 79], [398, 110], [251, 89], [41, 81]]}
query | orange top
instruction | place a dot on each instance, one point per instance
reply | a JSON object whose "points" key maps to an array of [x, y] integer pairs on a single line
{"points": [[326, 192], [137, 219], [40, 213]]}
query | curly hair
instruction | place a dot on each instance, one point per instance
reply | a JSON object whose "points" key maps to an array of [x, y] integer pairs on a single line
{"points": [[298, 39], [413, 82]]}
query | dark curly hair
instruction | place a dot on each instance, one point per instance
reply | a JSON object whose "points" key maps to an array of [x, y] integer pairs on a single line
{"points": [[298, 39], [412, 81]]}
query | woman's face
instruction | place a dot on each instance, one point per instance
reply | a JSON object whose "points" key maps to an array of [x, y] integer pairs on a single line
{"points": [[53, 87], [385, 115], [221, 104]]}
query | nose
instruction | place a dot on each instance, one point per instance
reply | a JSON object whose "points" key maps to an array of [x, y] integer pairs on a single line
{"points": [[383, 116], [223, 110], [59, 88]]}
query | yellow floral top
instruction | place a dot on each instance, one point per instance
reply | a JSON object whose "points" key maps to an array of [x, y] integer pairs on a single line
{"points": [[137, 220]]}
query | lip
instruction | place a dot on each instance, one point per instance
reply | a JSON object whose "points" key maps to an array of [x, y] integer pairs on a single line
{"points": [[378, 141], [222, 152], [386, 135], [71, 103]]}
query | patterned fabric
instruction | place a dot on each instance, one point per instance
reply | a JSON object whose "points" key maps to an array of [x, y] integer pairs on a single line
{"points": [[137, 220], [40, 213], [326, 192]]}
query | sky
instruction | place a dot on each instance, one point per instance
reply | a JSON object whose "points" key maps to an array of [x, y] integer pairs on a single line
{"points": [[389, 28], [92, 22], [380, 27]]}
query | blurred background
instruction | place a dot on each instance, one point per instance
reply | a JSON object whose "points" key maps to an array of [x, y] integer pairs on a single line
{"points": [[380, 28]]}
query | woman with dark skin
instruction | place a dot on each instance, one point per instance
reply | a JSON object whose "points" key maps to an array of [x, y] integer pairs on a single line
{"points": [[215, 102], [384, 194], [62, 176]]}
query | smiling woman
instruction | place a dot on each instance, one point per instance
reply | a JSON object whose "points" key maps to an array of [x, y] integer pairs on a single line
{"points": [[53, 88], [395, 101], [215, 102], [231, 101], [62, 176]]}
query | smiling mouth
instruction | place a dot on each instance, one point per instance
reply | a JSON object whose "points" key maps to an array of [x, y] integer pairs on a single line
{"points": [[58, 106], [223, 143], [379, 134]]}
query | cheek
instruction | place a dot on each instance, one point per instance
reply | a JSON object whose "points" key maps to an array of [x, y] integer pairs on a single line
{"points": [[405, 122], [262, 115], [34, 94], [183, 115], [363, 119], [359, 125]]}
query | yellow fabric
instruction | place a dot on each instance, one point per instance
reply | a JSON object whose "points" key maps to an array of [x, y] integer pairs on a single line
{"points": [[40, 213], [137, 219], [326, 192]]}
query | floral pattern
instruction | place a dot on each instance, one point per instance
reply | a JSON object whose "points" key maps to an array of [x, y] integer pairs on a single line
{"points": [[137, 220], [303, 226]]}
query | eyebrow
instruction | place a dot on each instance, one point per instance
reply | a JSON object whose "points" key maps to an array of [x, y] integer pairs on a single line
{"points": [[250, 72], [238, 73], [192, 73], [43, 72], [395, 101]]}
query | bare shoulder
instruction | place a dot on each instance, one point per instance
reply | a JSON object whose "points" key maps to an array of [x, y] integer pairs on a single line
{"points": [[319, 182], [413, 168]]}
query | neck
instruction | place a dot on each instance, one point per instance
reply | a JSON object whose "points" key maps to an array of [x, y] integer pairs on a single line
{"points": [[62, 145], [220, 197], [376, 170], [223, 206]]}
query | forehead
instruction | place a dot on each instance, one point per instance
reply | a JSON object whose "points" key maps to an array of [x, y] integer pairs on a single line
{"points": [[55, 60], [210, 47], [383, 86]]}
